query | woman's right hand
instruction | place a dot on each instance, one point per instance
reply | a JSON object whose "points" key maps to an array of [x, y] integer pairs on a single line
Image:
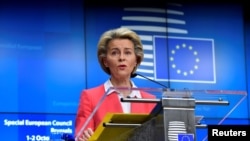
{"points": [[86, 135]]}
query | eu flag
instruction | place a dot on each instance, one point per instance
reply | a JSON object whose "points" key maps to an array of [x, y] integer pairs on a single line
{"points": [[183, 59]]}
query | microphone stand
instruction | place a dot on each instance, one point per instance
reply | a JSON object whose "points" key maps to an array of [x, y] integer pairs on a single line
{"points": [[136, 74]]}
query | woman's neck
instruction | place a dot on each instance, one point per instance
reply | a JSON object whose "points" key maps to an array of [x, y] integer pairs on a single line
{"points": [[122, 84]]}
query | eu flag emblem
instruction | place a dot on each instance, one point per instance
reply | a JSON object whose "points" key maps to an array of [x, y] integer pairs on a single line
{"points": [[183, 59]]}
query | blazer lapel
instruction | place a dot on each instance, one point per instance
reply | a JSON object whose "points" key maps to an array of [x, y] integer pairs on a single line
{"points": [[113, 103], [136, 107]]}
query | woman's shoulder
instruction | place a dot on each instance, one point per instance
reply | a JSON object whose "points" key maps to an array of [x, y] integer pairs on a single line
{"points": [[94, 90]]}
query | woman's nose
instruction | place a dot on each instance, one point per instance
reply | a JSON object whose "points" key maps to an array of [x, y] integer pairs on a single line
{"points": [[122, 57]]}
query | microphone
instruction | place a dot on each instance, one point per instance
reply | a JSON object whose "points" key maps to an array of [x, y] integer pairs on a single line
{"points": [[136, 74]]}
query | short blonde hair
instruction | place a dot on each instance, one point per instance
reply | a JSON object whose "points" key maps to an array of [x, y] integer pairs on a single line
{"points": [[119, 33]]}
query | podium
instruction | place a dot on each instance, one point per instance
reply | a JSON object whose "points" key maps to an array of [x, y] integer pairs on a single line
{"points": [[173, 119]]}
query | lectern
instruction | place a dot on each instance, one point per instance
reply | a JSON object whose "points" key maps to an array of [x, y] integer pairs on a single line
{"points": [[172, 119]]}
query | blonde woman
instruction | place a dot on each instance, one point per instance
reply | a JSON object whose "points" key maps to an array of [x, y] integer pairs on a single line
{"points": [[120, 52]]}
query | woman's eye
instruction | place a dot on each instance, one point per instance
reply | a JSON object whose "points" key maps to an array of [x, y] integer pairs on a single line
{"points": [[128, 52], [114, 53]]}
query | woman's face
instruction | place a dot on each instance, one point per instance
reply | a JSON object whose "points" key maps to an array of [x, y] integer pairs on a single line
{"points": [[121, 58]]}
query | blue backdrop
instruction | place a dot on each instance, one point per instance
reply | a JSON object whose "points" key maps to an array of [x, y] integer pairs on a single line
{"points": [[48, 56]]}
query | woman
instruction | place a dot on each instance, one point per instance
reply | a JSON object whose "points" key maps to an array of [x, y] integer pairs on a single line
{"points": [[119, 53]]}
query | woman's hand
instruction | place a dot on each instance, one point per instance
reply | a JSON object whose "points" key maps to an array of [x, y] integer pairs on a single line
{"points": [[86, 135]]}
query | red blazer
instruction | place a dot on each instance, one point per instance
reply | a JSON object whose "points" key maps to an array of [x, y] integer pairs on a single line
{"points": [[89, 99]]}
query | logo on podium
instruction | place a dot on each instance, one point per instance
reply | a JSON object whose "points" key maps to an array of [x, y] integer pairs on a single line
{"points": [[185, 137]]}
